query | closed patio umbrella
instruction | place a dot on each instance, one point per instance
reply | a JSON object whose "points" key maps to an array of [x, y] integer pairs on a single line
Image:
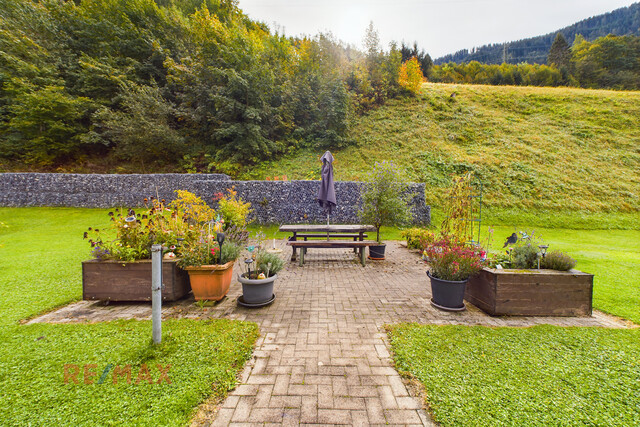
{"points": [[327, 192]]}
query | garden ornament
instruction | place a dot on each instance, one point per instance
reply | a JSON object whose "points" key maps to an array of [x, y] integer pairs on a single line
{"points": [[511, 240]]}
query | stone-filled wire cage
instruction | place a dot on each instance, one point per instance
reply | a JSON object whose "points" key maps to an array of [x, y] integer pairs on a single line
{"points": [[272, 202]]}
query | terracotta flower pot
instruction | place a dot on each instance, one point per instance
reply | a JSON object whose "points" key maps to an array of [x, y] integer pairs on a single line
{"points": [[210, 282]]}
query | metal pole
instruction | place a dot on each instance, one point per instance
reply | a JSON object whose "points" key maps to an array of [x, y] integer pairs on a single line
{"points": [[327, 226], [156, 292]]}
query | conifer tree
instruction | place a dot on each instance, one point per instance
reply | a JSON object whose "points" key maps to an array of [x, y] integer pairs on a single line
{"points": [[560, 52]]}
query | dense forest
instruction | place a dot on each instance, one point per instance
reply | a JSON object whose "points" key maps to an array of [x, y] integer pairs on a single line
{"points": [[623, 21], [195, 85], [607, 62], [191, 82]]}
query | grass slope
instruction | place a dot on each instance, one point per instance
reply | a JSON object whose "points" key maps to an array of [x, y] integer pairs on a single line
{"points": [[40, 254], [532, 148], [539, 376]]}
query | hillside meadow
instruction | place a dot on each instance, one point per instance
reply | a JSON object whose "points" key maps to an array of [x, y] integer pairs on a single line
{"points": [[540, 149]]}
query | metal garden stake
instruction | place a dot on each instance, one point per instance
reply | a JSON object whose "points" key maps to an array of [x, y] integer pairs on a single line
{"points": [[156, 292]]}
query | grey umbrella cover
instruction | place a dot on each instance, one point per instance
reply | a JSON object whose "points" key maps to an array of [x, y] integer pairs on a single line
{"points": [[327, 192]]}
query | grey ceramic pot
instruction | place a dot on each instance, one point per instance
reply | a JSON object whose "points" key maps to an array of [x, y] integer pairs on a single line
{"points": [[257, 291]]}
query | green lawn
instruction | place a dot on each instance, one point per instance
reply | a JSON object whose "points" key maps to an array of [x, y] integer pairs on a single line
{"points": [[539, 376], [40, 254]]}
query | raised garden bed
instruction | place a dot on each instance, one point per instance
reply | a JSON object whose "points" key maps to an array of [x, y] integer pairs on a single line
{"points": [[531, 292], [131, 281]]}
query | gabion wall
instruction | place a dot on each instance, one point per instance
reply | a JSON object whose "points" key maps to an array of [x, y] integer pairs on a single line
{"points": [[273, 202]]}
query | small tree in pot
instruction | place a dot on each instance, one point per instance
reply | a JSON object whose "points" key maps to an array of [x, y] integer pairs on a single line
{"points": [[384, 202]]}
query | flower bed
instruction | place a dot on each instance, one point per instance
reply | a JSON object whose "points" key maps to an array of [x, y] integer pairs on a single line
{"points": [[131, 281], [531, 292]]}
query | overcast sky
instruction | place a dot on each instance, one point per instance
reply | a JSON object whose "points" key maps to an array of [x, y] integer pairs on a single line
{"points": [[439, 26]]}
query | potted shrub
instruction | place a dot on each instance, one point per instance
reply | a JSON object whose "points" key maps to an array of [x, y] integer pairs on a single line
{"points": [[384, 202], [258, 280], [121, 268], [209, 254], [451, 265]]}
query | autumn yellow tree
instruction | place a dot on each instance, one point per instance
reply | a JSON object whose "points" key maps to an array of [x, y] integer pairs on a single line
{"points": [[411, 75]]}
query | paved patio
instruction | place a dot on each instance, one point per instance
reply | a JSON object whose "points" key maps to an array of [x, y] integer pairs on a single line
{"points": [[323, 355]]}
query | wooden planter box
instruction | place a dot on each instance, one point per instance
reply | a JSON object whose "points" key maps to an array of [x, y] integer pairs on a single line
{"points": [[531, 292], [131, 281]]}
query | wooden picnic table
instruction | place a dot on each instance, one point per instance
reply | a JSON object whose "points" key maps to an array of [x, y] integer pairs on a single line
{"points": [[355, 231]]}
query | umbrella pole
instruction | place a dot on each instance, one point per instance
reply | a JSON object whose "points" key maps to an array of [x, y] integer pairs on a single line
{"points": [[327, 227]]}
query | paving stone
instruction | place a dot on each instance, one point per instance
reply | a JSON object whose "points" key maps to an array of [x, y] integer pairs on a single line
{"points": [[281, 385], [263, 396], [325, 396], [402, 416], [261, 379], [243, 409], [397, 386], [309, 409], [285, 402], [363, 391], [359, 418], [387, 398], [223, 417], [291, 417], [246, 390], [303, 389], [341, 402], [231, 401], [334, 416], [375, 411]]}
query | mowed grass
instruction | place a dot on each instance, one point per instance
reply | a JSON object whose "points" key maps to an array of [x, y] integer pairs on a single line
{"points": [[40, 254], [532, 148], [539, 376]]}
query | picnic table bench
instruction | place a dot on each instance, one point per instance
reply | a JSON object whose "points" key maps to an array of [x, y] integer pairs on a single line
{"points": [[327, 233]]}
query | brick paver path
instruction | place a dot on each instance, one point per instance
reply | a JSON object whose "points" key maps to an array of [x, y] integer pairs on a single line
{"points": [[323, 355]]}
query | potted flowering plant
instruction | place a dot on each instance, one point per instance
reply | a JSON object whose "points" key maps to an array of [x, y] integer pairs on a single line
{"points": [[451, 265], [209, 262], [257, 282], [209, 253]]}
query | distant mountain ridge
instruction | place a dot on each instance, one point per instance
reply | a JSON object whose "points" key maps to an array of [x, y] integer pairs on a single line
{"points": [[623, 21]]}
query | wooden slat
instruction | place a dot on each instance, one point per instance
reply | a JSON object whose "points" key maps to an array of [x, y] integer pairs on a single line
{"points": [[331, 243], [324, 236], [319, 228]]}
